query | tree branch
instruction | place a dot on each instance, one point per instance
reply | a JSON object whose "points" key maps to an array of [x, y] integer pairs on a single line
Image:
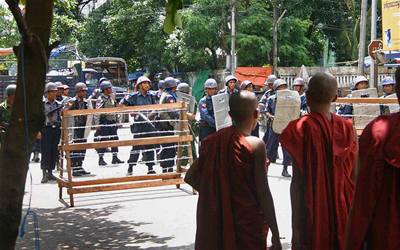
{"points": [[19, 18]]}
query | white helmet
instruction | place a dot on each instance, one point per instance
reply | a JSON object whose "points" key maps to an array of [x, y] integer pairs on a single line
{"points": [[230, 78], [387, 81], [142, 79], [270, 80], [360, 79], [210, 84], [244, 84], [278, 83], [298, 81]]}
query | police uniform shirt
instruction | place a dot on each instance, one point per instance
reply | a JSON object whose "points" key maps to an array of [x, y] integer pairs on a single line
{"points": [[138, 99], [271, 104], [225, 90], [206, 110], [264, 99], [52, 112], [303, 102], [169, 97], [106, 101], [78, 104]]}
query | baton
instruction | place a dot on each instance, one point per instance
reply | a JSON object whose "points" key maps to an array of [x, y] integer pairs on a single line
{"points": [[146, 119]]}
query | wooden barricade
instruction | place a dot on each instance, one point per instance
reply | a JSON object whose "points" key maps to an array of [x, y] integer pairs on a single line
{"points": [[366, 101], [121, 183]]}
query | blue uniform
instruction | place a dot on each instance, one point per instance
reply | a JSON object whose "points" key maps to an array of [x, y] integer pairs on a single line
{"points": [[168, 152], [303, 101], [207, 119], [142, 129], [272, 141], [50, 134], [225, 90], [346, 110]]}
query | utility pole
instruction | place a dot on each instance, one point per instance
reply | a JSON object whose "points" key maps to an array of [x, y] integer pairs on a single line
{"points": [[362, 40], [275, 38], [233, 38], [374, 67]]}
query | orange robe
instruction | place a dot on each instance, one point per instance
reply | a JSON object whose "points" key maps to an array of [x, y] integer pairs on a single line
{"points": [[324, 154], [375, 216], [229, 215]]}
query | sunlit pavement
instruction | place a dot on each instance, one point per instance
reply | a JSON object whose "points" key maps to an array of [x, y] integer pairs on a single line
{"points": [[151, 218]]}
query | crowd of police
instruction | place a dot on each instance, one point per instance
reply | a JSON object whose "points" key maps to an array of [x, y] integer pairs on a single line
{"points": [[147, 124]]}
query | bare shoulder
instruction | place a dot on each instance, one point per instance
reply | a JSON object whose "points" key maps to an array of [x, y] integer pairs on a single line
{"points": [[257, 145]]}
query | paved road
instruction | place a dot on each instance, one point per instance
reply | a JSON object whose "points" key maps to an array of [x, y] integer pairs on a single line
{"points": [[152, 218]]}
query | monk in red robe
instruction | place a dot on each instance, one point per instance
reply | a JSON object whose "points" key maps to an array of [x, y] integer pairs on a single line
{"points": [[374, 220], [235, 206], [324, 150]]}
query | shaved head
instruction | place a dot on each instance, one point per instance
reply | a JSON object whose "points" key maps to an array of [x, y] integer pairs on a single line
{"points": [[322, 88], [242, 105], [397, 76]]}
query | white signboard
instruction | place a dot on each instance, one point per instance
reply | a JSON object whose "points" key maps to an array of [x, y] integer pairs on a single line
{"points": [[221, 111], [89, 120], [364, 113], [287, 109], [190, 100]]}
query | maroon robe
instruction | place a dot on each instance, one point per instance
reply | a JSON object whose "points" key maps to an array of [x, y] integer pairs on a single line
{"points": [[229, 215], [324, 154], [375, 214]]}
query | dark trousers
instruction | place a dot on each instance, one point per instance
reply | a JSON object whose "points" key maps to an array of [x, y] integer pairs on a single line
{"points": [[205, 130], [272, 149], [36, 146], [168, 151], [146, 150], [256, 131], [78, 156], [49, 147], [107, 133]]}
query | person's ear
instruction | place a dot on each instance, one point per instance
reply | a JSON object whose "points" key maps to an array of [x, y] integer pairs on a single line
{"points": [[335, 98]]}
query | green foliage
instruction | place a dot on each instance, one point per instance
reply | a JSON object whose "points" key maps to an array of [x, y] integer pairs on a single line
{"points": [[9, 35]]}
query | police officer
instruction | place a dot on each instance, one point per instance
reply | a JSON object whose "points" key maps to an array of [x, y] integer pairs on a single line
{"points": [[144, 127], [108, 128], [168, 151], [263, 103], [5, 110], [79, 102], [60, 91], [50, 132], [160, 90], [193, 125], [247, 85], [361, 82], [388, 86], [206, 109], [231, 87], [272, 142], [388, 89], [298, 85]]}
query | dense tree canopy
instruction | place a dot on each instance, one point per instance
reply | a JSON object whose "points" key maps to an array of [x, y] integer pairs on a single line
{"points": [[134, 30]]}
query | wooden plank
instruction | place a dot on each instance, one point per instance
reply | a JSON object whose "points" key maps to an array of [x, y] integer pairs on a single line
{"points": [[126, 109], [144, 184], [367, 100], [130, 142], [119, 179]]}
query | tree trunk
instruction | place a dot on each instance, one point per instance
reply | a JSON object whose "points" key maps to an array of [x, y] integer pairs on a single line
{"points": [[32, 55]]}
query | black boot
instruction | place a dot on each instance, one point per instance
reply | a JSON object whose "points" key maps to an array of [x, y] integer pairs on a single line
{"points": [[150, 170], [101, 161], [130, 169], [44, 179], [115, 160], [35, 157], [285, 172], [50, 175]]}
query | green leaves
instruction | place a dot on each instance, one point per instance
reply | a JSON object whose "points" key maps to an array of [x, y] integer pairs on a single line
{"points": [[173, 18]]}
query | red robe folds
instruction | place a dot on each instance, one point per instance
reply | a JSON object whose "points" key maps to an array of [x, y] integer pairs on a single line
{"points": [[324, 154], [375, 215], [229, 216]]}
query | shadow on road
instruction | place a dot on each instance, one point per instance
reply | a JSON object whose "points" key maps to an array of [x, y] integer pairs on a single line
{"points": [[89, 229]]}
